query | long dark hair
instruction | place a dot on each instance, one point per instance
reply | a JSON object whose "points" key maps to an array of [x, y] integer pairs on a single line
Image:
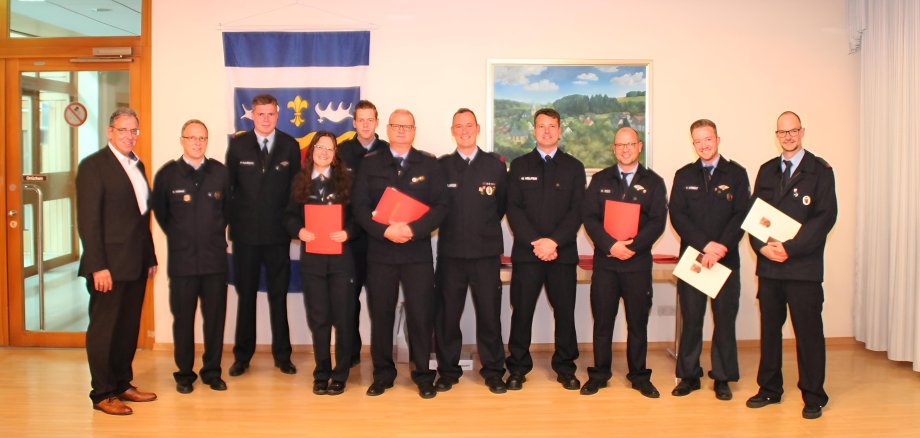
{"points": [[301, 188]]}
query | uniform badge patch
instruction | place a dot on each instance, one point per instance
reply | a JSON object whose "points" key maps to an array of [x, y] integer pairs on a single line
{"points": [[187, 198], [806, 200]]}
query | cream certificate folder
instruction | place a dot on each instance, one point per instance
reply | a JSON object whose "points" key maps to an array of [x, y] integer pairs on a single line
{"points": [[708, 281], [767, 223]]}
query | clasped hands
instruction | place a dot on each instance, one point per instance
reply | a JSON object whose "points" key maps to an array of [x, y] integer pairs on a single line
{"points": [[775, 251], [398, 232], [336, 236]]}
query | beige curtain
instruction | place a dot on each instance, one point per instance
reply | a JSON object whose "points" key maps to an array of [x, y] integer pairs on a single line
{"points": [[886, 307]]}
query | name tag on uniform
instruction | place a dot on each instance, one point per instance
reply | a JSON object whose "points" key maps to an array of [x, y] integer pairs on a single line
{"points": [[529, 178], [178, 191], [605, 191], [691, 188], [452, 185], [247, 163]]}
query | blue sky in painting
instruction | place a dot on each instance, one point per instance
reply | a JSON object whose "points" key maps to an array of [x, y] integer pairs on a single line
{"points": [[546, 83]]}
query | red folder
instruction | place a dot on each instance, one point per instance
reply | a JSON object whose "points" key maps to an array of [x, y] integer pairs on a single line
{"points": [[395, 206], [621, 219], [321, 220]]}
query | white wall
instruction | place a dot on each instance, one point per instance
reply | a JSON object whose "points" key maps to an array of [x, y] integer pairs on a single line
{"points": [[737, 63]]}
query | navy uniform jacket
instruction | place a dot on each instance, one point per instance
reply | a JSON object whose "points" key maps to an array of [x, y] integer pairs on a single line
{"points": [[810, 198], [710, 210], [422, 180], [114, 233], [294, 221], [191, 208], [351, 152], [478, 197], [538, 208], [257, 198], [647, 189]]}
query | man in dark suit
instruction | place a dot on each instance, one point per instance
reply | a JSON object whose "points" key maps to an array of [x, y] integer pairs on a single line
{"points": [[545, 191], [400, 252], [190, 204], [351, 152], [791, 273], [114, 224], [261, 163], [709, 200], [623, 268], [469, 250]]}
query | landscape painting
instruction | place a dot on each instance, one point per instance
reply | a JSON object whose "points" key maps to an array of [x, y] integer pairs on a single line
{"points": [[594, 98]]}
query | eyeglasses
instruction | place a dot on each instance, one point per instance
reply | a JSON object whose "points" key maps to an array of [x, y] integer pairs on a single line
{"points": [[126, 131], [193, 139], [324, 148], [792, 132], [401, 127], [625, 145]]}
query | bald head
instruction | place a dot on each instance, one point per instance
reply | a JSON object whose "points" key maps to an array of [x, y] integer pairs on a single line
{"points": [[627, 147]]}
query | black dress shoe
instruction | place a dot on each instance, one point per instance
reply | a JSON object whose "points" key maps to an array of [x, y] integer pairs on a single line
{"points": [[444, 384], [184, 388], [647, 389], [496, 386], [286, 367], [238, 368], [592, 386], [569, 381], [760, 400], [335, 388], [378, 388], [515, 382], [320, 387], [686, 386], [217, 384], [426, 390], [811, 412], [723, 392]]}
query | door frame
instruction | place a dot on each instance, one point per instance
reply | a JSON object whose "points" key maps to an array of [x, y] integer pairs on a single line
{"points": [[55, 54]]}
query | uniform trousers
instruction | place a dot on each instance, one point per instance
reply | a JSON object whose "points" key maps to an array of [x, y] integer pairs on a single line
{"points": [[724, 351], [527, 280], [328, 287], [452, 278], [635, 288], [111, 338], [247, 262], [383, 293], [805, 300], [184, 294], [360, 265]]}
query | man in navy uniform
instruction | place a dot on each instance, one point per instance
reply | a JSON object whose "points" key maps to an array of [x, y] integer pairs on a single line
{"points": [[545, 190], [190, 203], [400, 252], [351, 152], [709, 199], [469, 251], [114, 224], [791, 273], [623, 268], [262, 163]]}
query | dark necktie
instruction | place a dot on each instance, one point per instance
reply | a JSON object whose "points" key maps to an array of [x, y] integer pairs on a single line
{"points": [[399, 164], [264, 154], [708, 170], [468, 160], [787, 173], [548, 160], [624, 181]]}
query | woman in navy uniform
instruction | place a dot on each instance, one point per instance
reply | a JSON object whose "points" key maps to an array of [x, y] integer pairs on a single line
{"points": [[327, 279]]}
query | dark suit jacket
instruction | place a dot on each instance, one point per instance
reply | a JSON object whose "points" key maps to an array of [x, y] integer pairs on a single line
{"points": [[351, 152], [257, 198], [810, 198], [478, 198], [712, 210], [421, 179], [538, 208], [115, 235], [646, 189]]}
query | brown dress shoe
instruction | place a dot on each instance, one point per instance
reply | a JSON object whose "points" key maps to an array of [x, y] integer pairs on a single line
{"points": [[132, 394], [113, 406]]}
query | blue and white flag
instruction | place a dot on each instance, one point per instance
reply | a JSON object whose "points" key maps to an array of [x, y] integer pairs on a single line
{"points": [[316, 77]]}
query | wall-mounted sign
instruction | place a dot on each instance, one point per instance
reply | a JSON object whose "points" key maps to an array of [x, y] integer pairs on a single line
{"points": [[75, 114], [28, 178]]}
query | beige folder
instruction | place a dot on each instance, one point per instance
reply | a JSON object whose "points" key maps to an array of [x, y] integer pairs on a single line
{"points": [[767, 223], [707, 280]]}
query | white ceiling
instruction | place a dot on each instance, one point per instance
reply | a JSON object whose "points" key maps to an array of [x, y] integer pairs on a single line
{"points": [[58, 18]]}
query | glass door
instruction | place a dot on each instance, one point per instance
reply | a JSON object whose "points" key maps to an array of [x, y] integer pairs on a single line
{"points": [[64, 114]]}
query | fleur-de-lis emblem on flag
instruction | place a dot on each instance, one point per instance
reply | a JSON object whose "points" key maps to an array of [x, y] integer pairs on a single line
{"points": [[298, 105]]}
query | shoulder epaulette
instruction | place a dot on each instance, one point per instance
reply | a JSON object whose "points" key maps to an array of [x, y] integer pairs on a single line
{"points": [[822, 161]]}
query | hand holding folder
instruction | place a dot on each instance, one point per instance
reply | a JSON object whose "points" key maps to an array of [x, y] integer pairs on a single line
{"points": [[322, 220], [621, 219], [767, 223], [397, 207], [690, 269]]}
